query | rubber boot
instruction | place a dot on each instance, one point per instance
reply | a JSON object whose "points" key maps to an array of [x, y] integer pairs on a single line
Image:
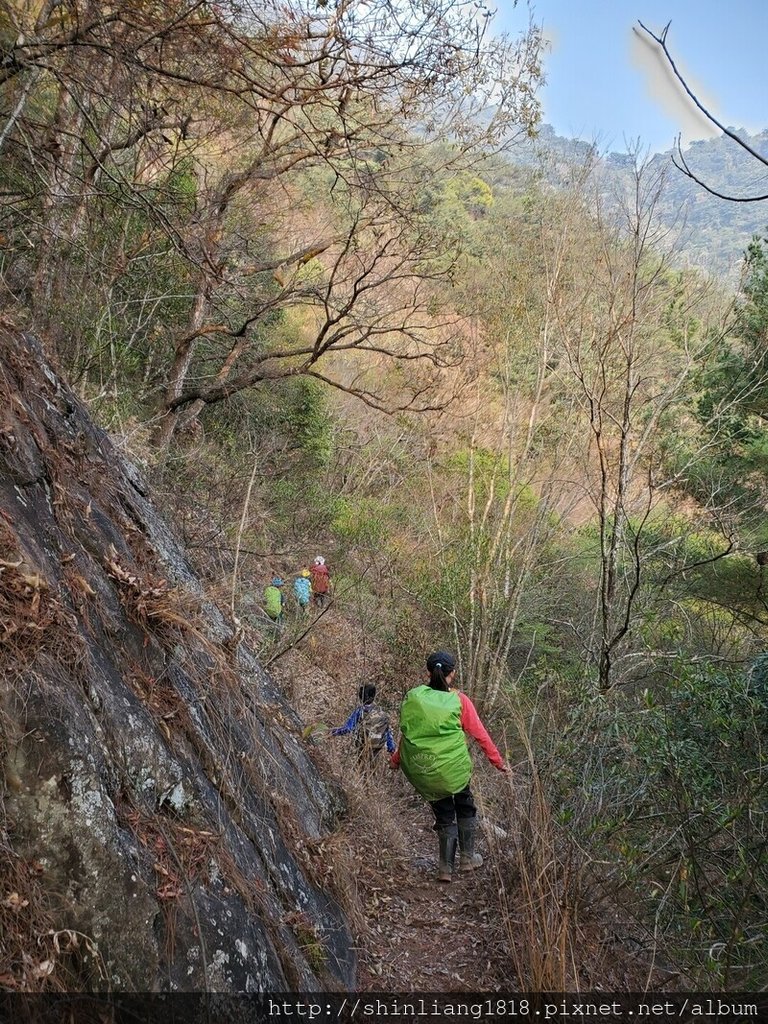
{"points": [[447, 838], [468, 859]]}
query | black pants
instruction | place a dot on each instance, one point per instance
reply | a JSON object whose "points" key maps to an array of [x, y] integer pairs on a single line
{"points": [[453, 808]]}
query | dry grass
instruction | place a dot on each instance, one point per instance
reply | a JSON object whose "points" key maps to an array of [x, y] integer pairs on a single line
{"points": [[540, 893], [556, 922], [162, 699], [368, 856], [180, 854], [150, 600], [368, 850], [27, 956], [28, 611], [34, 956], [34, 622]]}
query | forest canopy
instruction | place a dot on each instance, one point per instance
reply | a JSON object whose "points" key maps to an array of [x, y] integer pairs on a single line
{"points": [[164, 151]]}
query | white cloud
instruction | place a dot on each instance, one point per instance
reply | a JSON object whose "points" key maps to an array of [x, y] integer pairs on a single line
{"points": [[667, 92]]}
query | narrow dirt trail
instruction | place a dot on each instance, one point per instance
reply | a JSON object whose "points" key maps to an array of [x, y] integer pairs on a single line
{"points": [[483, 931], [425, 935], [419, 934]]}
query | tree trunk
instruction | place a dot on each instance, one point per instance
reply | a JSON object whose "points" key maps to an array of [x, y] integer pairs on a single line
{"points": [[67, 126], [185, 350], [195, 408]]}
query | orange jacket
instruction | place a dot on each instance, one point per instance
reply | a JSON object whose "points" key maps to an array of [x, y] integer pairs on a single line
{"points": [[321, 579]]}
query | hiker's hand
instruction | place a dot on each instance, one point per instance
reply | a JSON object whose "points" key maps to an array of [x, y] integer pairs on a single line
{"points": [[504, 768]]}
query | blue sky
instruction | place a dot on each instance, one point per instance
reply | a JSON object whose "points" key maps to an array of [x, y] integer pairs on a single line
{"points": [[604, 85]]}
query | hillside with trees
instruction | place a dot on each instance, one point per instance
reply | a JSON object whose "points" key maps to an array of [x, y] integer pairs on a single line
{"points": [[321, 304], [709, 234]]}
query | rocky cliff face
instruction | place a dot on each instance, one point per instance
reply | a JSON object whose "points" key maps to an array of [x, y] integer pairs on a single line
{"points": [[161, 822]]}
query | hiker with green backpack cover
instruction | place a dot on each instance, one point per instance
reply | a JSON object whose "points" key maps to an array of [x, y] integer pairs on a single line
{"points": [[274, 600], [435, 720]]}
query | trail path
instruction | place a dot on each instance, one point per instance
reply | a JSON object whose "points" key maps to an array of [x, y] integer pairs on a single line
{"points": [[419, 934], [425, 935], [478, 933]]}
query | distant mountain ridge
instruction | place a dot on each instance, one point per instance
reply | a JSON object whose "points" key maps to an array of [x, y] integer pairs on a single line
{"points": [[714, 233]]}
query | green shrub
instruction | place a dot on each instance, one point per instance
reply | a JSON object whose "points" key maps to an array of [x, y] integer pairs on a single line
{"points": [[666, 788]]}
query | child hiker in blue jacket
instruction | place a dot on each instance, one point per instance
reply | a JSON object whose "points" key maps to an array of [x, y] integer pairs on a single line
{"points": [[369, 725]]}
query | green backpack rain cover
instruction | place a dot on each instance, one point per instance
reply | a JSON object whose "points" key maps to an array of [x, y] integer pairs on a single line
{"points": [[273, 602], [433, 752]]}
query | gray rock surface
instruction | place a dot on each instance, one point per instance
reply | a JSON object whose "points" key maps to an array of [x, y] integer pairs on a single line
{"points": [[153, 774]]}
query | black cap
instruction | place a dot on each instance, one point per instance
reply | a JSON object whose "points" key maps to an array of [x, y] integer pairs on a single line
{"points": [[442, 660]]}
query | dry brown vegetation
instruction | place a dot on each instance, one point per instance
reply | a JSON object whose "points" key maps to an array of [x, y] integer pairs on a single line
{"points": [[35, 956]]}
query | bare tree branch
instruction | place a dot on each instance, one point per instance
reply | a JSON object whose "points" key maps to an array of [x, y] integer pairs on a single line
{"points": [[680, 162]]}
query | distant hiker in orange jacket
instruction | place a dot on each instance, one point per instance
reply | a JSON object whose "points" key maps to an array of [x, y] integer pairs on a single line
{"points": [[321, 581]]}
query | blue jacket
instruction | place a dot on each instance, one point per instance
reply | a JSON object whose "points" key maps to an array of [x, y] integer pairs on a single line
{"points": [[302, 588], [354, 720]]}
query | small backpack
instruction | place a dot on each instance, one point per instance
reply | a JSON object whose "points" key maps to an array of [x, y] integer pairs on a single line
{"points": [[372, 730]]}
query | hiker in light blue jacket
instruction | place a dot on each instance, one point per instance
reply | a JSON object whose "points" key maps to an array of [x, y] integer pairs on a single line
{"points": [[302, 589]]}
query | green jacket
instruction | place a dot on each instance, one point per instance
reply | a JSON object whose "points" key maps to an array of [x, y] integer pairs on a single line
{"points": [[273, 602], [433, 751]]}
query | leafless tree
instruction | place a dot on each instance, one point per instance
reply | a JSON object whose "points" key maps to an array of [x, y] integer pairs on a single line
{"points": [[110, 107], [370, 294], [629, 373]]}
